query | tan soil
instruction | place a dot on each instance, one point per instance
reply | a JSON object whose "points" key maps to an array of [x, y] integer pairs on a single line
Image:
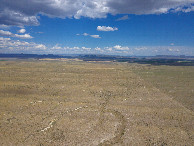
{"points": [[78, 103]]}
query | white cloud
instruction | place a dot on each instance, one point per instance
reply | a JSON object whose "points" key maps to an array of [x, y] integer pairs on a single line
{"points": [[13, 15], [118, 47], [95, 36], [24, 12], [16, 46], [147, 6], [188, 9], [98, 49], [184, 9], [106, 28], [25, 36], [109, 49], [40, 46], [85, 34], [84, 48], [76, 48], [2, 26], [4, 39], [170, 49], [6, 33], [9, 34], [22, 30], [126, 17]]}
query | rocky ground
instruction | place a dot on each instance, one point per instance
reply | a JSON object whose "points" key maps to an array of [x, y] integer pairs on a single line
{"points": [[79, 103]]}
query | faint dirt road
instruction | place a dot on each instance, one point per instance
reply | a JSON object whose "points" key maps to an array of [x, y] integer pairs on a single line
{"points": [[79, 103]]}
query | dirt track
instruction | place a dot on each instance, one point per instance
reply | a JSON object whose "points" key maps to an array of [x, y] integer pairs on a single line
{"points": [[75, 103]]}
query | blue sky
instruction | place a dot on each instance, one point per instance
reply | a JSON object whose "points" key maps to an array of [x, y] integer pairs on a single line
{"points": [[98, 27]]}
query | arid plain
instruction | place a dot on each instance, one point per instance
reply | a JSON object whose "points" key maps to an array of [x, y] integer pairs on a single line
{"points": [[95, 103]]}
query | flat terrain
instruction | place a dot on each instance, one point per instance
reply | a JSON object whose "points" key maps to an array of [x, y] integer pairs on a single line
{"points": [[177, 81], [80, 103]]}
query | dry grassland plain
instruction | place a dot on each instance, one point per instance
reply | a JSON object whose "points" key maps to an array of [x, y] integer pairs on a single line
{"points": [[83, 103]]}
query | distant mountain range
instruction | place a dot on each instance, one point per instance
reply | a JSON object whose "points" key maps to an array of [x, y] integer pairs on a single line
{"points": [[154, 60]]}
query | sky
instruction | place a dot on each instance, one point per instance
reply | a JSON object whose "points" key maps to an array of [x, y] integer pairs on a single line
{"points": [[110, 27]]}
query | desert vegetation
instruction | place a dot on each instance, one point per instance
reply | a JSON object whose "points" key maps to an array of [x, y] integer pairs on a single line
{"points": [[52, 102]]}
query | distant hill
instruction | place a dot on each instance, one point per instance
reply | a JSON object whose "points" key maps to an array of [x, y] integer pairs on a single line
{"points": [[153, 60]]}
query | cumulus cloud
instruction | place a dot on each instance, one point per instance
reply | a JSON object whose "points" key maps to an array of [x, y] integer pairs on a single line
{"points": [[85, 34], [2, 26], [84, 48], [98, 49], [184, 9], [147, 6], [106, 28], [16, 46], [22, 30], [40, 46], [126, 17], [190, 9], [9, 34], [95, 36], [7, 45], [25, 36], [56, 47], [170, 49], [173, 49], [108, 49], [118, 47], [74, 48], [9, 16], [6, 33], [24, 12]]}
